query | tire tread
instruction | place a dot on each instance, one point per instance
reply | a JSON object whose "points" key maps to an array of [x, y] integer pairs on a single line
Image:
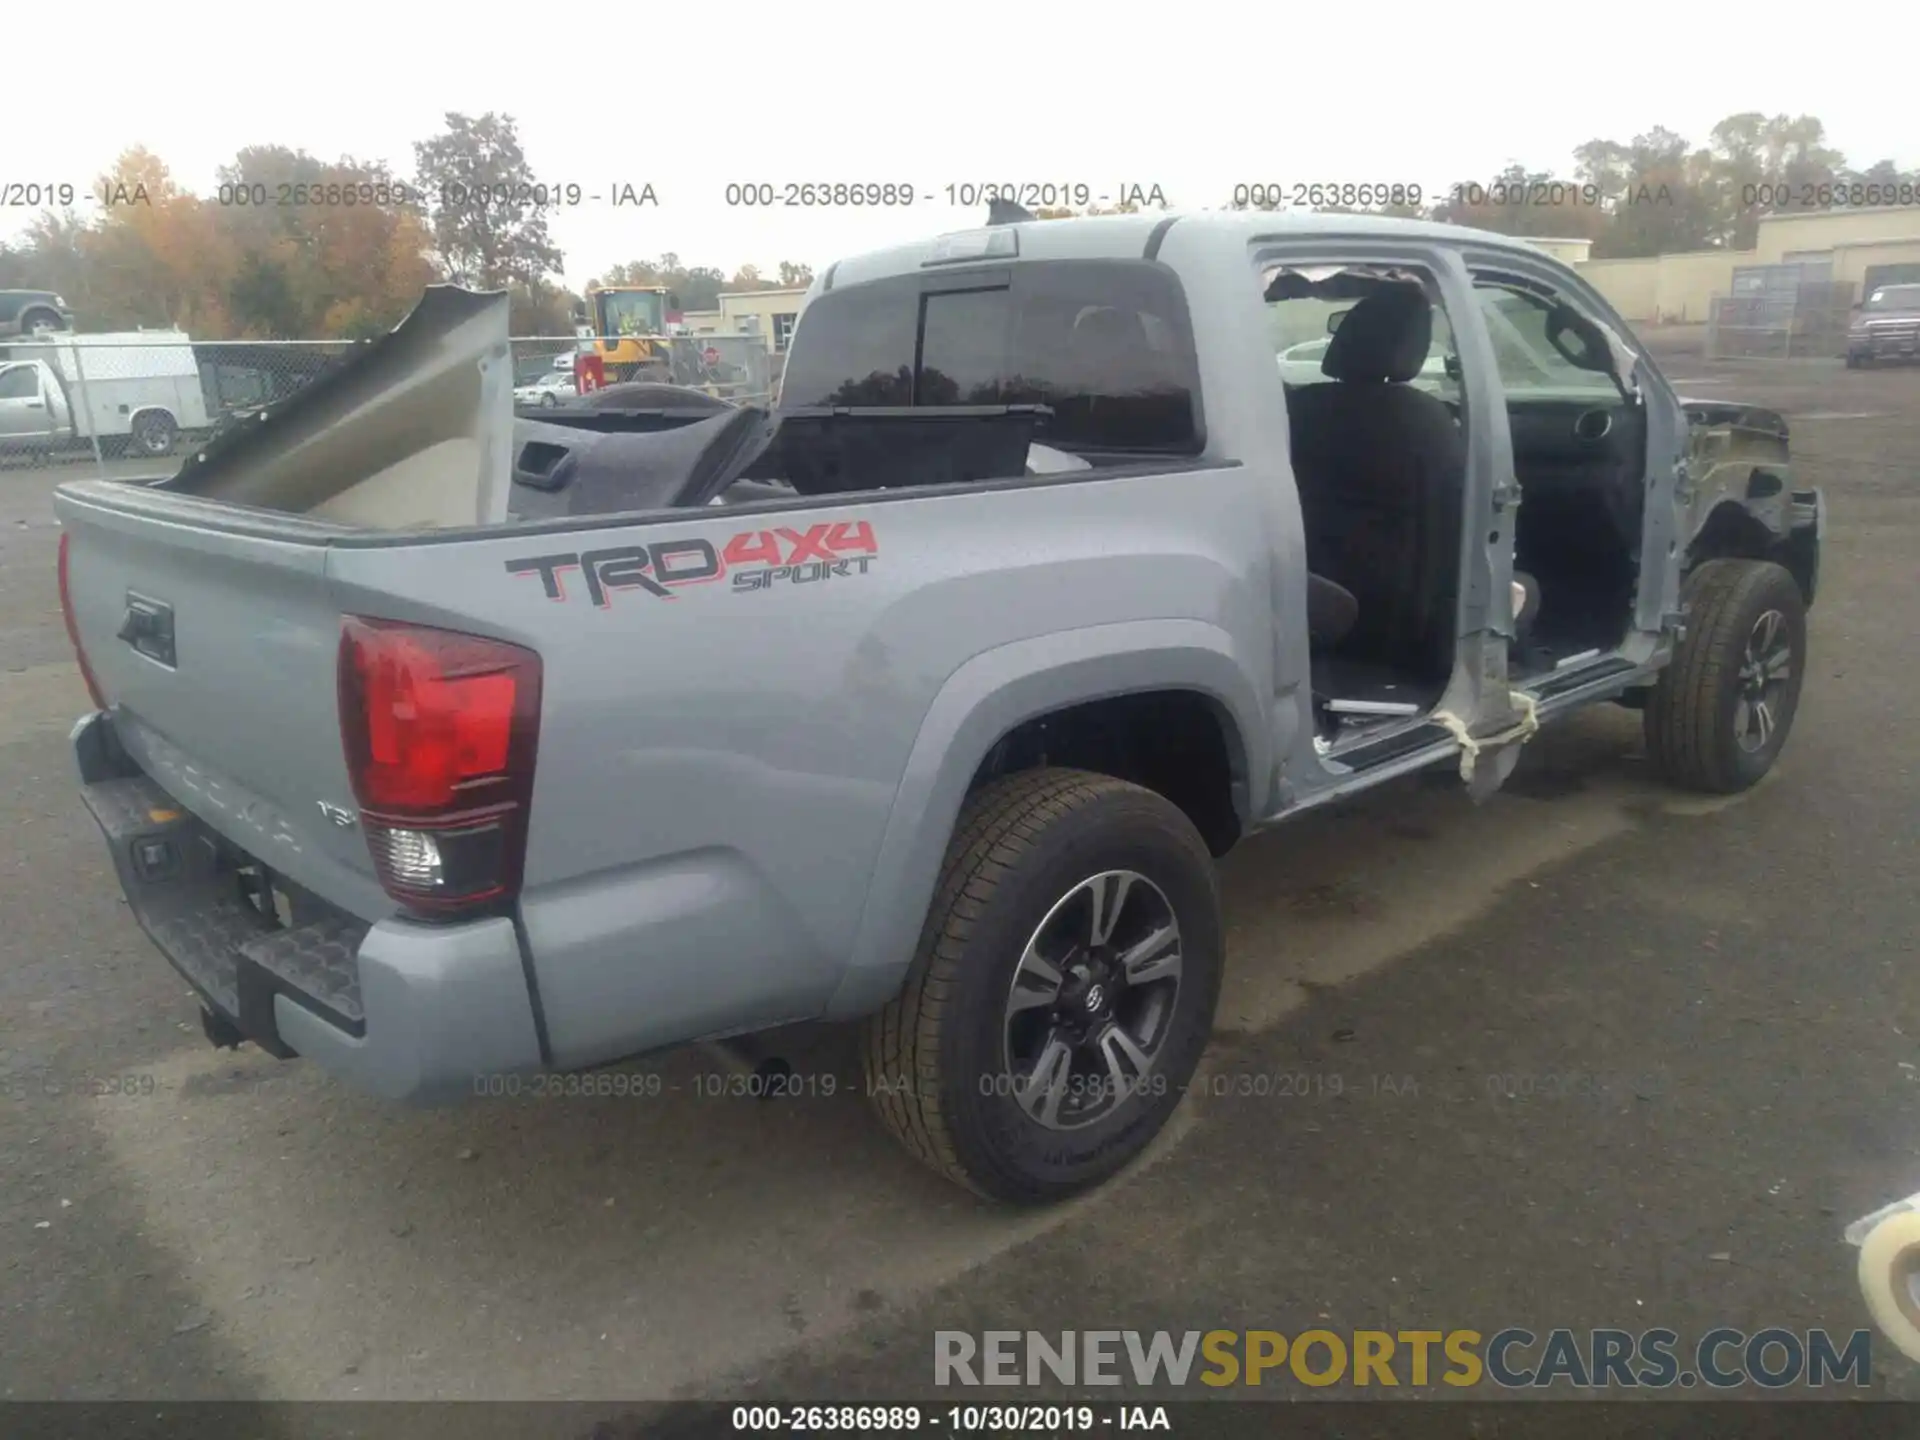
{"points": [[1683, 730], [900, 1050]]}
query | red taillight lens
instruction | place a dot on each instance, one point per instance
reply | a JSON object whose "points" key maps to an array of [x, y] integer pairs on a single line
{"points": [[440, 732], [73, 630]]}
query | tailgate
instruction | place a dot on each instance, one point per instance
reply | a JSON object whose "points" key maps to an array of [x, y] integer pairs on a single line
{"points": [[203, 604], [216, 651]]}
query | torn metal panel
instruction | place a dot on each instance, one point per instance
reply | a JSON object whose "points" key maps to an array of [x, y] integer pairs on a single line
{"points": [[411, 430], [1337, 282]]}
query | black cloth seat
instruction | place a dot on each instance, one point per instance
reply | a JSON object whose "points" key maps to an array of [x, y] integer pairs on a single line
{"points": [[1381, 467], [1332, 612]]}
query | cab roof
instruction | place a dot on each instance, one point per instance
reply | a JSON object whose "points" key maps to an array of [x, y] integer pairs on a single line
{"points": [[1105, 237]]}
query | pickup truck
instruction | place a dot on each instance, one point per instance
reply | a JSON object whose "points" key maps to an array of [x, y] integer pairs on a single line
{"points": [[1885, 327], [133, 392], [24, 312], [442, 748]]}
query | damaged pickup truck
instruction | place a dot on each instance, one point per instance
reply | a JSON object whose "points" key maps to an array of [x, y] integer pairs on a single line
{"points": [[434, 746]]}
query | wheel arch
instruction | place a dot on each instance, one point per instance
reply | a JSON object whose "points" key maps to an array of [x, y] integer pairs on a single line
{"points": [[992, 697], [153, 409], [25, 321], [1731, 532]]}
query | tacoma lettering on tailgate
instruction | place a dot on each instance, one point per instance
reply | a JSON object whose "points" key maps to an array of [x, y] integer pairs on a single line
{"points": [[756, 559]]}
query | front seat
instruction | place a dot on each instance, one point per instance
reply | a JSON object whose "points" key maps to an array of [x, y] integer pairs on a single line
{"points": [[1381, 467]]}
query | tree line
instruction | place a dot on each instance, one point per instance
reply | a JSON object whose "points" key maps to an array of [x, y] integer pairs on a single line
{"points": [[1659, 193], [293, 246]]}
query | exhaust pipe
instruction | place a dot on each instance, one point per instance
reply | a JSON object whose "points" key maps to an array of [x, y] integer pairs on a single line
{"points": [[767, 1074]]}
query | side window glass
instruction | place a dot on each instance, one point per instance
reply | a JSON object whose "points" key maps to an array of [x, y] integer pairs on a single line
{"points": [[1106, 345], [20, 383], [1520, 325]]}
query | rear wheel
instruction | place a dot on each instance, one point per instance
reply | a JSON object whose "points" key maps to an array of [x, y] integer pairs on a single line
{"points": [[153, 433], [1722, 710], [1063, 991]]}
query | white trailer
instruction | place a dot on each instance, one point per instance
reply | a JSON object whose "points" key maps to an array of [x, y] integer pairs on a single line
{"points": [[132, 391]]}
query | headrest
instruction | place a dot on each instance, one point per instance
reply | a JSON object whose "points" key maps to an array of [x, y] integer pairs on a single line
{"points": [[1385, 337], [1109, 327]]}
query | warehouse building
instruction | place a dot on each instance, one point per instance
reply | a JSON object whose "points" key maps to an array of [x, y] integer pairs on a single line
{"points": [[769, 314], [1851, 249]]}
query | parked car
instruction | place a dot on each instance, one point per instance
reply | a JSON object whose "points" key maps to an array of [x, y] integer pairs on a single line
{"points": [[22, 312], [549, 390], [852, 711], [135, 392], [1885, 327]]}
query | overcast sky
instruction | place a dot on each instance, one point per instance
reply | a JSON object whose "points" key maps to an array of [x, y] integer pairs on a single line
{"points": [[1194, 98]]}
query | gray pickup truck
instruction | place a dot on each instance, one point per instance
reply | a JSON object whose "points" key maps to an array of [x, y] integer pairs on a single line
{"points": [[436, 746]]}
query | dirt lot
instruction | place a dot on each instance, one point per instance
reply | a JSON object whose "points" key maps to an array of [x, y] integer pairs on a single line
{"points": [[1708, 1006]]}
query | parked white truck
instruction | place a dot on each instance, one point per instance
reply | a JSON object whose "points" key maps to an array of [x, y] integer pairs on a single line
{"points": [[133, 392]]}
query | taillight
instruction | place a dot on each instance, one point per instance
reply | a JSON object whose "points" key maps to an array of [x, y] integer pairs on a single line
{"points": [[73, 630], [440, 732]]}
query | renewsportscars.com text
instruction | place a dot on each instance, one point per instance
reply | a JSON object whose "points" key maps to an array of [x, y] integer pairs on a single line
{"points": [[1512, 1358]]}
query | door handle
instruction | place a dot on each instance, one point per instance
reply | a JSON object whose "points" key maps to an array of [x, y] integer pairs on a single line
{"points": [[148, 628], [36, 404]]}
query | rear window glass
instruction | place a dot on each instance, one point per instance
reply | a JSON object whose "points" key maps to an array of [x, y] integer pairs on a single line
{"points": [[1108, 345]]}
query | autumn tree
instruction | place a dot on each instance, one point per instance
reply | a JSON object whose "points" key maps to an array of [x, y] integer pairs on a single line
{"points": [[697, 286], [52, 256], [1519, 201], [351, 263], [1777, 160], [545, 311], [1067, 212], [478, 187], [157, 256]]}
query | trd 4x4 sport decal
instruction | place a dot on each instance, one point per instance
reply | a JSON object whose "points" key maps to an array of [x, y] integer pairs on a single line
{"points": [[757, 560]]}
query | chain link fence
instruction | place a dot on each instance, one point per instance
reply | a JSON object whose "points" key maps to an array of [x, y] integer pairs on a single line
{"points": [[1804, 323], [141, 402]]}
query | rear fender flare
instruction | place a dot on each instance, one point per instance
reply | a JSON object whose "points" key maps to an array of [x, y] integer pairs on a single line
{"points": [[984, 699]]}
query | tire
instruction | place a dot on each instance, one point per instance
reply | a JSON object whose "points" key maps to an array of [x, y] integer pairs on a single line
{"points": [[33, 320], [941, 1058], [547, 400], [153, 433], [1889, 1263], [1704, 724]]}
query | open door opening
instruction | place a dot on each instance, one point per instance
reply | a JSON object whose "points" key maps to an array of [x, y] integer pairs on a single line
{"points": [[1579, 435], [1379, 454]]}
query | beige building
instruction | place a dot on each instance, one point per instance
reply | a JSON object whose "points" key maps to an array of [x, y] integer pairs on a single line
{"points": [[767, 313], [1569, 252], [1862, 247], [1671, 289]]}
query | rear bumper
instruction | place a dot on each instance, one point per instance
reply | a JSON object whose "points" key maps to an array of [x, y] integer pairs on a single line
{"points": [[408, 1011]]}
